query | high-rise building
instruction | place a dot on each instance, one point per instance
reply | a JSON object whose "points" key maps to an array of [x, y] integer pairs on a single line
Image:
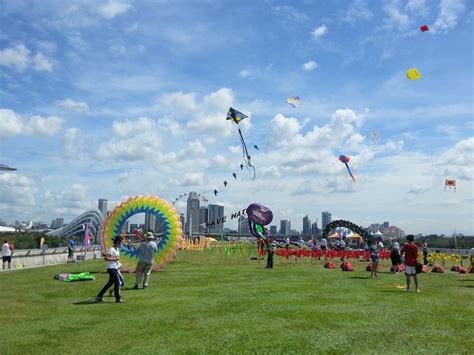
{"points": [[57, 223], [315, 231], [192, 213], [325, 219], [243, 227], [306, 226], [103, 206], [285, 227], [181, 218], [203, 218], [386, 224], [150, 222], [273, 230], [216, 213]]}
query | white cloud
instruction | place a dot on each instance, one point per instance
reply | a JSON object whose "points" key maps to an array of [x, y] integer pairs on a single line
{"points": [[179, 102], [310, 66], [396, 17], [69, 104], [17, 57], [458, 162], [320, 31], [13, 124], [244, 73], [73, 142], [189, 180], [71, 201], [418, 6], [16, 192], [358, 11], [42, 63], [449, 12], [113, 8]]}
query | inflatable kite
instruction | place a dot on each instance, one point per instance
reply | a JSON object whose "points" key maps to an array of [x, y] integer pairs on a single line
{"points": [[82, 276], [237, 117], [345, 159], [375, 136], [164, 212], [413, 74], [294, 101], [258, 216], [450, 184], [424, 28]]}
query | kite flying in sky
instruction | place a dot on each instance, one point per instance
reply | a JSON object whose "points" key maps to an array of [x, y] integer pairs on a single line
{"points": [[256, 147], [294, 101], [424, 28], [215, 192], [450, 183], [234, 175], [375, 136], [413, 74], [237, 117], [345, 159], [225, 183]]}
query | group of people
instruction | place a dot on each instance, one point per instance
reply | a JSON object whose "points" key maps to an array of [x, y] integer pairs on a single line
{"points": [[146, 252]]}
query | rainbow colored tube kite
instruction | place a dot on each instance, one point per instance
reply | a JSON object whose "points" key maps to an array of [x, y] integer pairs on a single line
{"points": [[172, 230]]}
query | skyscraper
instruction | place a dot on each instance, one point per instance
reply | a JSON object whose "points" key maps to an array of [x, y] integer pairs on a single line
{"points": [[203, 218], [192, 213], [273, 230], [285, 227], [243, 227], [315, 231], [306, 226], [103, 206], [150, 222], [216, 213], [325, 219]]}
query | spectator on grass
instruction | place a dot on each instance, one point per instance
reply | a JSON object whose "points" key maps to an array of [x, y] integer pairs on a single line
{"points": [[395, 256], [113, 257], [324, 246], [471, 258], [410, 250], [70, 251], [7, 254], [146, 251], [374, 257], [271, 253], [425, 253]]}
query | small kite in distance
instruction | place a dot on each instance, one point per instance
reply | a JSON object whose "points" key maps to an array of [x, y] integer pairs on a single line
{"points": [[241, 166], [345, 159], [424, 28], [413, 74], [450, 183], [234, 175], [375, 136], [215, 192], [6, 168], [294, 101], [225, 183], [256, 147]]}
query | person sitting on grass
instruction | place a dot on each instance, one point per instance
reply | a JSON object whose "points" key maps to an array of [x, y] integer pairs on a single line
{"points": [[112, 257], [410, 250]]}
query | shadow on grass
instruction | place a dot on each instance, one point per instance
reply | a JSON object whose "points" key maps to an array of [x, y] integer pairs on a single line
{"points": [[466, 280], [360, 277], [92, 301], [468, 286], [396, 291]]}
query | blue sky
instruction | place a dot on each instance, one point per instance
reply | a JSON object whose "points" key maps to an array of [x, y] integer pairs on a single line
{"points": [[117, 98]]}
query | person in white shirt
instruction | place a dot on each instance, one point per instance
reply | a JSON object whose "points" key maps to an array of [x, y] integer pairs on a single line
{"points": [[113, 257], [324, 246], [147, 251], [6, 254]]}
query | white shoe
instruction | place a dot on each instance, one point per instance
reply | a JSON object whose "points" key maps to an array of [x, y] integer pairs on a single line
{"points": [[418, 290]]}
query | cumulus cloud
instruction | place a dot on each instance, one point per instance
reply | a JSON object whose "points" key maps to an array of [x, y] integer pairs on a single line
{"points": [[458, 162], [71, 201], [320, 31], [69, 104], [73, 142], [42, 63], [113, 8], [244, 73], [189, 180], [449, 12], [396, 17], [19, 58], [13, 124], [16, 192], [179, 102], [310, 66]]}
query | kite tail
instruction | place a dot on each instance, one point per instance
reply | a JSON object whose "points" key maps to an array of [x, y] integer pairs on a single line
{"points": [[246, 156], [350, 173]]}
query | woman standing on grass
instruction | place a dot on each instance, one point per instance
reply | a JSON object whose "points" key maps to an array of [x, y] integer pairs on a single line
{"points": [[374, 257], [113, 257]]}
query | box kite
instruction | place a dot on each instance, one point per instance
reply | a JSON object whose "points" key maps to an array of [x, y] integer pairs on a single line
{"points": [[413, 74]]}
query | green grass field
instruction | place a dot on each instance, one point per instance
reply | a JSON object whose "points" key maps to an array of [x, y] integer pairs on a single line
{"points": [[214, 304]]}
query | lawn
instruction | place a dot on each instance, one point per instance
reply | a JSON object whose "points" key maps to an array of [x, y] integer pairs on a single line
{"points": [[215, 304]]}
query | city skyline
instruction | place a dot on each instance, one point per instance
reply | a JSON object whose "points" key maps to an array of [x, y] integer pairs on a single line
{"points": [[107, 102]]}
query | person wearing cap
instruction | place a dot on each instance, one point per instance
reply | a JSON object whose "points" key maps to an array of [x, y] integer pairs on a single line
{"points": [[112, 257], [146, 252]]}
